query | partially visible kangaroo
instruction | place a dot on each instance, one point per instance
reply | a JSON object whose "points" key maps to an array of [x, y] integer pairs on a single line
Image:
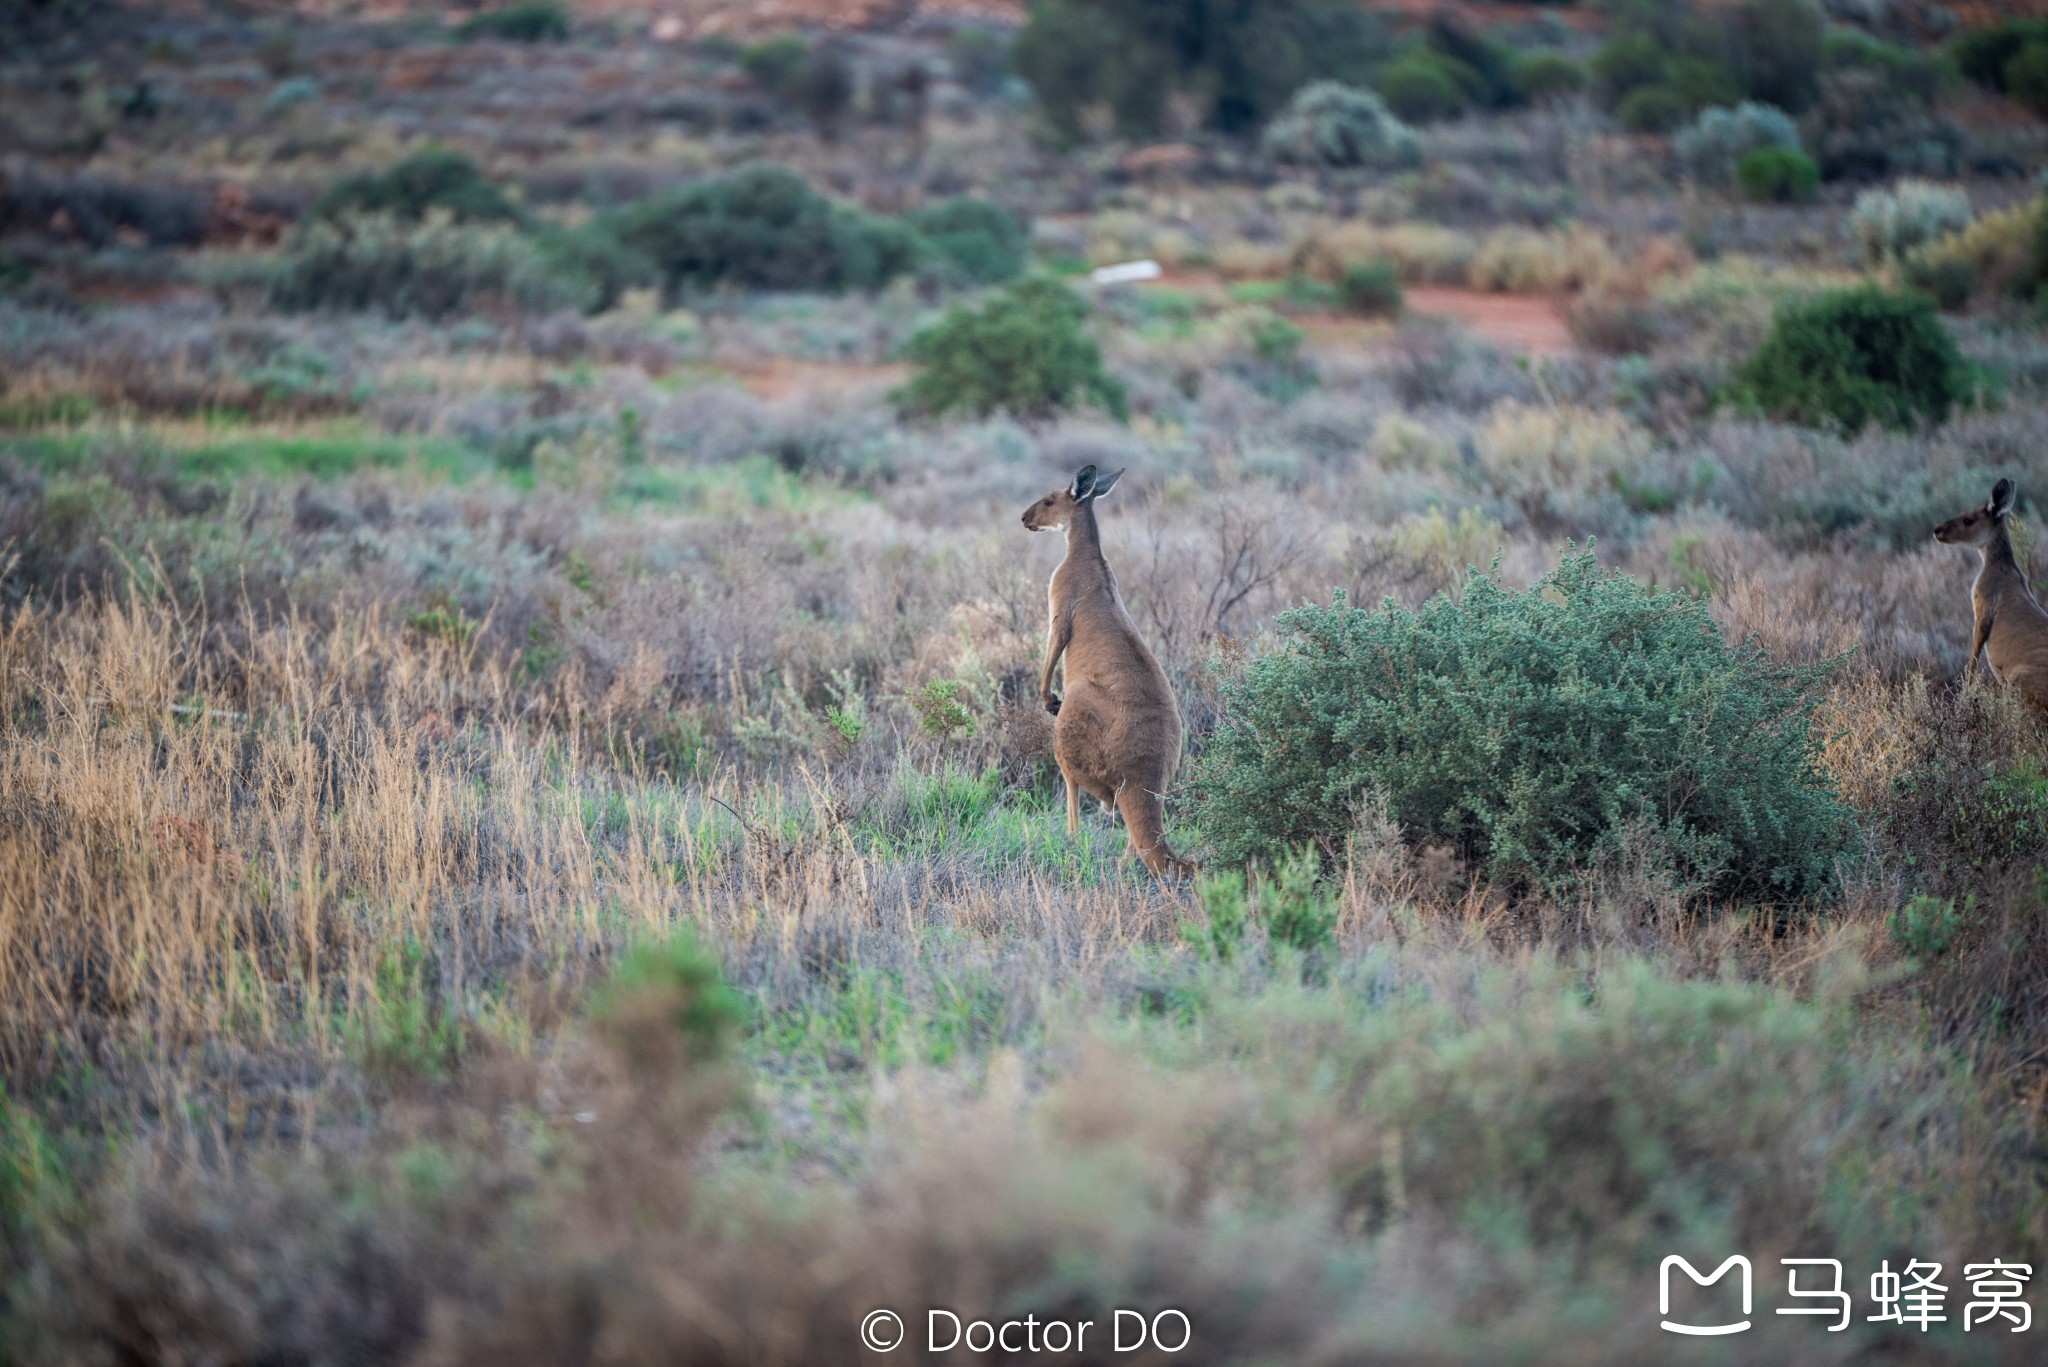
{"points": [[1118, 731], [2009, 619]]}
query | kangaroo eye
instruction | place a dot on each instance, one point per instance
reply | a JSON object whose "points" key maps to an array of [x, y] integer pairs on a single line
{"points": [[1048, 501]]}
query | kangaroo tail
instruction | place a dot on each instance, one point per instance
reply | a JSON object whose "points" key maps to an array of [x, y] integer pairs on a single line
{"points": [[1145, 825]]}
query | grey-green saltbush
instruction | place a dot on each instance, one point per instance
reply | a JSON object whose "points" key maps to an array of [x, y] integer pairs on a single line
{"points": [[1332, 124], [435, 268], [1538, 732], [1714, 144]]}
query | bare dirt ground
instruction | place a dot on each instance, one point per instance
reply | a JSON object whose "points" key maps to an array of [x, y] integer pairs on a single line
{"points": [[1531, 324], [781, 377]]}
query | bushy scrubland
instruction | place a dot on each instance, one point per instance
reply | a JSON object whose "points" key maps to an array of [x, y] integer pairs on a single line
{"points": [[526, 827]]}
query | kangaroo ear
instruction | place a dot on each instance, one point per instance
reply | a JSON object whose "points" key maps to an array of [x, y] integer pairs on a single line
{"points": [[1084, 484], [2001, 497], [1106, 483]]}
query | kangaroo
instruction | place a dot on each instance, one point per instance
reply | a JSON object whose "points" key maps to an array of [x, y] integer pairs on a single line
{"points": [[1117, 729], [2009, 619]]}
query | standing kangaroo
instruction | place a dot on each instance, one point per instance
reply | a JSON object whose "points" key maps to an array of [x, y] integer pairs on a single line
{"points": [[2009, 620], [1117, 732]]}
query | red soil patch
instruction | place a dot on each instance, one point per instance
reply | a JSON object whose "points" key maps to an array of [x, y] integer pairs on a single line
{"points": [[780, 377], [1532, 324]]}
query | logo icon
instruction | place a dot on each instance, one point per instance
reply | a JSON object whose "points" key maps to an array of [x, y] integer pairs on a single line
{"points": [[882, 1330], [1664, 1294]]}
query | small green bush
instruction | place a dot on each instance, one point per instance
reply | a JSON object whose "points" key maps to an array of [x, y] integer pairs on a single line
{"points": [[763, 227], [1024, 353], [594, 255], [1330, 124], [1371, 289], [1420, 88], [435, 178], [1545, 76], [2026, 78], [669, 1004], [775, 63], [984, 242], [1951, 281], [1926, 926], [1778, 175], [1537, 732], [534, 21], [433, 269], [1652, 109], [1854, 357], [1712, 145], [1984, 55]]}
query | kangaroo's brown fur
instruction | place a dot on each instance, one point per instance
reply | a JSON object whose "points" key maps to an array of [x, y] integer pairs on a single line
{"points": [[2008, 618], [1118, 730]]}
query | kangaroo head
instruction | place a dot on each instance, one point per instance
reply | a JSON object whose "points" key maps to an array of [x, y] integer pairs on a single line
{"points": [[1978, 526], [1057, 508]]}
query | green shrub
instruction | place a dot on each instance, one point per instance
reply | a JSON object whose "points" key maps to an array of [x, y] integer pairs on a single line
{"points": [[1707, 54], [1537, 732], [1950, 280], [1330, 124], [1371, 289], [1421, 89], [435, 178], [1719, 138], [1238, 60], [1926, 926], [595, 256], [433, 269], [2026, 78], [763, 227], [1652, 109], [534, 21], [668, 1004], [1024, 353], [1545, 76], [1907, 71], [775, 64], [1854, 357], [1983, 56], [1778, 175], [1629, 61], [984, 242]]}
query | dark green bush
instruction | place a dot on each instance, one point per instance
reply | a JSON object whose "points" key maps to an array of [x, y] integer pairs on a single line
{"points": [[1777, 175], [1981, 55], [1652, 109], [1537, 732], [1854, 357], [764, 227], [1241, 59], [435, 178], [1906, 71], [535, 21], [2026, 78], [1024, 353], [1706, 54], [1372, 289], [595, 254], [774, 64], [983, 241], [1420, 88], [1950, 281], [1549, 76]]}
